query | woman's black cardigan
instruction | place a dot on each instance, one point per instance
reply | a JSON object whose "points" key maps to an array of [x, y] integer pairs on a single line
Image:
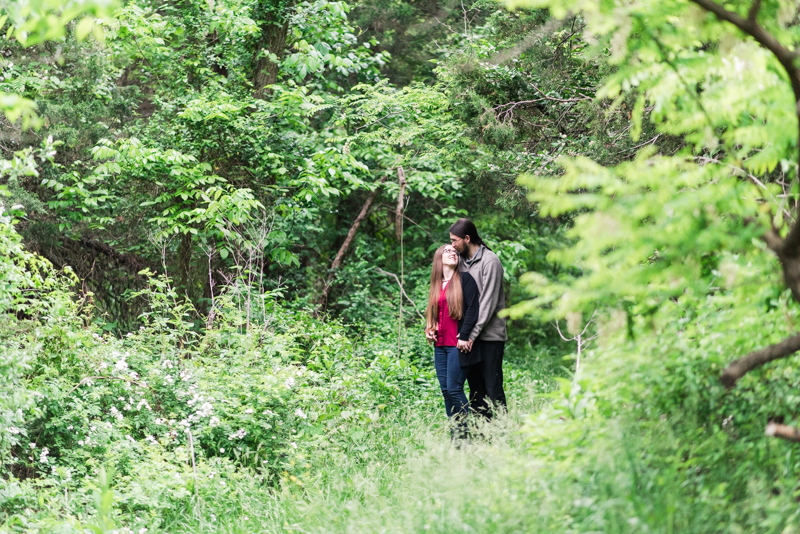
{"points": [[471, 297]]}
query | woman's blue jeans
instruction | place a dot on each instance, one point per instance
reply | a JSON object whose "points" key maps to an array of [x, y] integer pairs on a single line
{"points": [[451, 380]]}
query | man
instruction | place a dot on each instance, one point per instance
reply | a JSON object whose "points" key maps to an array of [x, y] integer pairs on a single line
{"points": [[486, 378]]}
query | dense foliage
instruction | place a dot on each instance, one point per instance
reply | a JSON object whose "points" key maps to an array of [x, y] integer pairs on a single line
{"points": [[216, 223]]}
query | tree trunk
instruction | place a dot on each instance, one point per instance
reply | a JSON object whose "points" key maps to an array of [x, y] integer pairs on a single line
{"points": [[398, 214], [272, 40], [185, 261], [337, 261]]}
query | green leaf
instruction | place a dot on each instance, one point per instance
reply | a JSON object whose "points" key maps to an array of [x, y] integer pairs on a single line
{"points": [[83, 28]]}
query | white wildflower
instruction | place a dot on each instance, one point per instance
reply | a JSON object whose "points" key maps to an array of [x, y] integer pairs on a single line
{"points": [[248, 411], [121, 365], [293, 444], [116, 414], [222, 449], [69, 427], [299, 413], [289, 382], [239, 434], [43, 456], [213, 422], [205, 409], [129, 438], [32, 445]]}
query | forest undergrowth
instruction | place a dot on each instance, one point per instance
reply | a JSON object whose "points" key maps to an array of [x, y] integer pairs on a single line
{"points": [[277, 421], [420, 482]]}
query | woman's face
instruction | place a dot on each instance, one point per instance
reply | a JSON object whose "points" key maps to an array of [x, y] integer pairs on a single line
{"points": [[450, 256]]}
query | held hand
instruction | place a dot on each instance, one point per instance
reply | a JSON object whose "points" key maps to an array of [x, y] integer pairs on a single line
{"points": [[430, 335], [464, 346], [471, 341]]}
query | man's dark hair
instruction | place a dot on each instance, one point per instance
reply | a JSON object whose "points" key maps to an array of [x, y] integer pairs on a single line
{"points": [[463, 228]]}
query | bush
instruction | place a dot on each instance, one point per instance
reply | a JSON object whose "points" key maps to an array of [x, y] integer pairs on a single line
{"points": [[170, 409]]}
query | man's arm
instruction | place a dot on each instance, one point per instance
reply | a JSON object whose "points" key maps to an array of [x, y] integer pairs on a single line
{"points": [[490, 294], [471, 306]]}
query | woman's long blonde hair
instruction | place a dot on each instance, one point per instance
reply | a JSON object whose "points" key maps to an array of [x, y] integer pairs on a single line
{"points": [[455, 299]]}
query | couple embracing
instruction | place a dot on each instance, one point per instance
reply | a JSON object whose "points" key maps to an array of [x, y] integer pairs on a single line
{"points": [[461, 321]]}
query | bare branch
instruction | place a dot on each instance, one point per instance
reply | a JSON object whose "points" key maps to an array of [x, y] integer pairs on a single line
{"points": [[753, 13], [406, 217], [387, 273], [589, 322], [773, 241], [757, 32], [787, 59], [337, 261], [738, 368], [558, 328], [786, 432], [398, 217], [583, 97], [738, 170], [504, 111]]}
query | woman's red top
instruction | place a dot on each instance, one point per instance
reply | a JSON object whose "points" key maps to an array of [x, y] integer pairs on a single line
{"points": [[447, 335]]}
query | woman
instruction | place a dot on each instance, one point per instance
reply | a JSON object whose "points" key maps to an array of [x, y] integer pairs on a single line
{"points": [[451, 313]]}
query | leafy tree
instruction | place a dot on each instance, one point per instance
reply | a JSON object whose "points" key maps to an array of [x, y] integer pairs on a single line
{"points": [[670, 226]]}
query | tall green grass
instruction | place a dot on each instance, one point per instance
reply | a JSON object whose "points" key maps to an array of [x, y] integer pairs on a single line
{"points": [[615, 476], [416, 481]]}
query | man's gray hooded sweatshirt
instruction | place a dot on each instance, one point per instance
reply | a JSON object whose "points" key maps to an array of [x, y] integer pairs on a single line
{"points": [[486, 269]]}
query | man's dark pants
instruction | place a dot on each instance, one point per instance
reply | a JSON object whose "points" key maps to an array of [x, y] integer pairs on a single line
{"points": [[485, 379]]}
